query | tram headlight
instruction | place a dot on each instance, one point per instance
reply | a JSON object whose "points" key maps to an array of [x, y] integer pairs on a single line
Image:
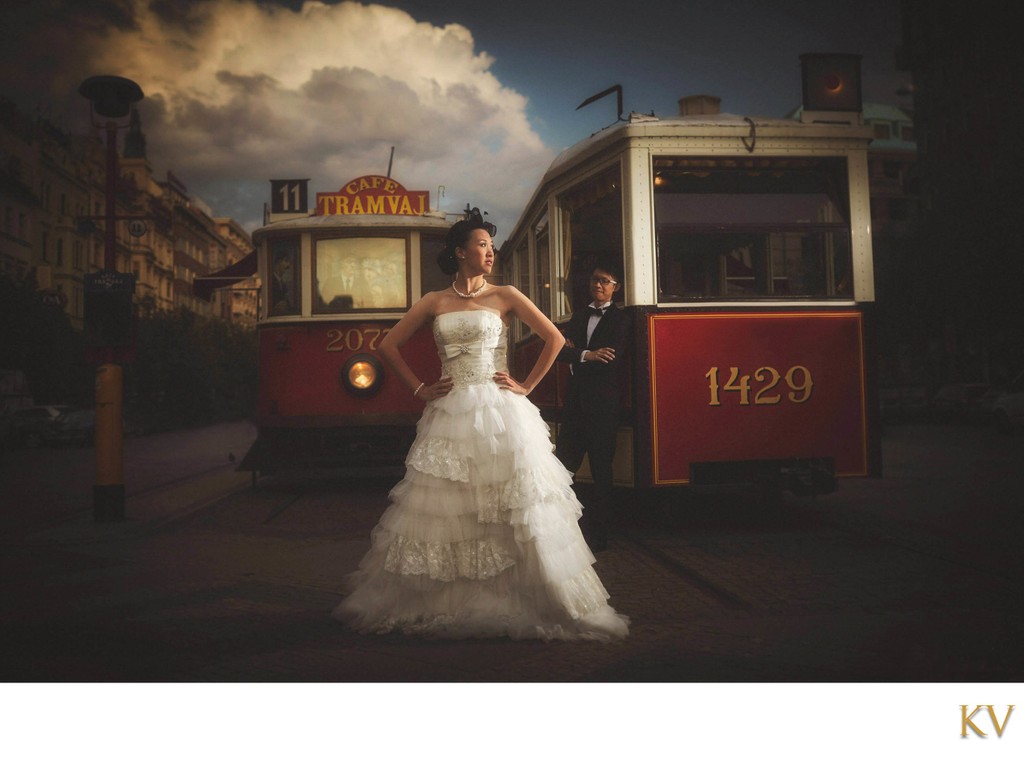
{"points": [[362, 375]]}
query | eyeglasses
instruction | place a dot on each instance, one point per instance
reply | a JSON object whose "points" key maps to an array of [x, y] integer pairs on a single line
{"points": [[603, 281]]}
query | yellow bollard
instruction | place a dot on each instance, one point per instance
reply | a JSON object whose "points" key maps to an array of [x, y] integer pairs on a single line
{"points": [[108, 492]]}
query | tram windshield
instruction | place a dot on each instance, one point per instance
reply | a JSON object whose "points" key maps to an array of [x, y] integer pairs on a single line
{"points": [[731, 228], [358, 273]]}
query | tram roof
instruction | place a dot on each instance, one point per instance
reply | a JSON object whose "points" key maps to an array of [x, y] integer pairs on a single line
{"points": [[435, 220], [639, 126], [700, 125]]}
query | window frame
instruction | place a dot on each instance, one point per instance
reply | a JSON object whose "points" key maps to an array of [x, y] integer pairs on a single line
{"points": [[834, 238]]}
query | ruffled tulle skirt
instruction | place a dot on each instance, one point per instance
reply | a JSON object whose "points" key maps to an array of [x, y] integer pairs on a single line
{"points": [[481, 537]]}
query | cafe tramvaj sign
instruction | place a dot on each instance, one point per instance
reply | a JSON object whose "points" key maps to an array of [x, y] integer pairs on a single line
{"points": [[373, 194]]}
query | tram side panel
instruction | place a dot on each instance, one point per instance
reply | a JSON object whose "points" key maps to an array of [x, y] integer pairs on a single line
{"points": [[305, 408], [736, 396]]}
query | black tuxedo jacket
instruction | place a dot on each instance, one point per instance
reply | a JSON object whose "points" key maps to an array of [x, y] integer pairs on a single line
{"points": [[595, 385]]}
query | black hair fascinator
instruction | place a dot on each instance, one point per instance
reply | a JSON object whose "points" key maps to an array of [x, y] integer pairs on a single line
{"points": [[476, 219]]}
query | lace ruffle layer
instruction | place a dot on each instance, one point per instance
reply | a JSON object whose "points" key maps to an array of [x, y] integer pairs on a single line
{"points": [[473, 559]]}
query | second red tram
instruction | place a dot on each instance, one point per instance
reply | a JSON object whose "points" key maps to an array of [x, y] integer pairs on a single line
{"points": [[745, 246], [335, 279]]}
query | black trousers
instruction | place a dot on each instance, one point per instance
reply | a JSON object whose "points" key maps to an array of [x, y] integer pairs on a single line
{"points": [[592, 435]]}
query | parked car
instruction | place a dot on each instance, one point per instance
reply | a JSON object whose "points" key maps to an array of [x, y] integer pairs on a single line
{"points": [[964, 402], [29, 426], [74, 428], [1008, 408]]}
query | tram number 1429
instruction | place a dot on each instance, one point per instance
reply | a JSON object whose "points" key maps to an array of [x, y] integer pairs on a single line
{"points": [[797, 378]]}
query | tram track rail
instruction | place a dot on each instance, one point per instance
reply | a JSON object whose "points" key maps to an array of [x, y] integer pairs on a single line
{"points": [[725, 557], [912, 542], [690, 575]]}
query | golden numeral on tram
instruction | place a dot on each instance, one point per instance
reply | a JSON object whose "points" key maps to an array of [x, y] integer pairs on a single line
{"points": [[798, 378], [760, 397], [738, 383], [377, 335], [712, 377], [354, 339], [335, 338], [804, 387]]}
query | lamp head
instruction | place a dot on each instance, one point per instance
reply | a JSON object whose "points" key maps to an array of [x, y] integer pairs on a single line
{"points": [[111, 96]]}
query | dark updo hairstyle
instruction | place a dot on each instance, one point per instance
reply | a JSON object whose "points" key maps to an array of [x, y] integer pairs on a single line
{"points": [[457, 237]]}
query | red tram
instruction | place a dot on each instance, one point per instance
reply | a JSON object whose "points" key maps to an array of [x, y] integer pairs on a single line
{"points": [[745, 246], [334, 282]]}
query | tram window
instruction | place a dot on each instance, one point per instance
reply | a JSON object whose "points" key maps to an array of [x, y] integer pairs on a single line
{"points": [[592, 230], [521, 277], [542, 266], [431, 276], [770, 228], [284, 276], [521, 273], [359, 273]]}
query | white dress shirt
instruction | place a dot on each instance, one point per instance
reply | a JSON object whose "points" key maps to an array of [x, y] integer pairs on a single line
{"points": [[592, 324]]}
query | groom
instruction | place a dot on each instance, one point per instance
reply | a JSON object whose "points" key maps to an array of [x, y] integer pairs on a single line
{"points": [[594, 349]]}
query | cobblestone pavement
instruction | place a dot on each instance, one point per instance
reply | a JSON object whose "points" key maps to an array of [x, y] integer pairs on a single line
{"points": [[908, 578]]}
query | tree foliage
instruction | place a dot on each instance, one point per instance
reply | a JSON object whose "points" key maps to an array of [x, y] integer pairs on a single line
{"points": [[38, 339], [188, 370]]}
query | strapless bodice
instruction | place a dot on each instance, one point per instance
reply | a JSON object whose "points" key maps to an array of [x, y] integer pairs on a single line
{"points": [[472, 346]]}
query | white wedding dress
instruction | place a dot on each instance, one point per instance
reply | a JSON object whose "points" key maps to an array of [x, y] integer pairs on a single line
{"points": [[481, 537]]}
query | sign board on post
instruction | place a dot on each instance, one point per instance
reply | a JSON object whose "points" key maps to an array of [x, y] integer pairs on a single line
{"points": [[108, 309]]}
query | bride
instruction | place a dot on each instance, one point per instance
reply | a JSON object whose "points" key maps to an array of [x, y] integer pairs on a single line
{"points": [[481, 536]]}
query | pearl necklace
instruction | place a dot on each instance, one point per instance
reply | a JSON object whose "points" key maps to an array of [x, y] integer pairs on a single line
{"points": [[472, 294]]}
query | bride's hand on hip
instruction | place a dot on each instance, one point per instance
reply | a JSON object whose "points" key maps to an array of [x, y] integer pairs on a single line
{"points": [[441, 388], [506, 382]]}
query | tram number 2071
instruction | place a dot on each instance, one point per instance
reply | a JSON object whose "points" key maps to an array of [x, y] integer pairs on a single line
{"points": [[356, 339], [797, 378]]}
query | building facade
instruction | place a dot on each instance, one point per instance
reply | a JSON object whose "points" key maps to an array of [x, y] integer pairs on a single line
{"points": [[895, 230], [53, 200], [965, 61]]}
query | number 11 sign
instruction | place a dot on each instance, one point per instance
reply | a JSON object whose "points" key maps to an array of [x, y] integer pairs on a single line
{"points": [[289, 196]]}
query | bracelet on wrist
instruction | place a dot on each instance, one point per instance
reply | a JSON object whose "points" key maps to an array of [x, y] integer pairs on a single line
{"points": [[418, 389]]}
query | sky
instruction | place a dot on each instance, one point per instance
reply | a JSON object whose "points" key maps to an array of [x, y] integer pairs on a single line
{"points": [[475, 97]]}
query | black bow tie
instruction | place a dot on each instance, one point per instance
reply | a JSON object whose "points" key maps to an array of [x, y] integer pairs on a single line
{"points": [[598, 312]]}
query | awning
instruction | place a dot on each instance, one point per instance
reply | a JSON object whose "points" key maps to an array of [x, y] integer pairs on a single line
{"points": [[243, 269]]}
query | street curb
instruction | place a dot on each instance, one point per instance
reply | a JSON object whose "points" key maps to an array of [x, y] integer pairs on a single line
{"points": [[157, 509]]}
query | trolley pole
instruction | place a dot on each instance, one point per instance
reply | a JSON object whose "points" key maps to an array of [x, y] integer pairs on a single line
{"points": [[108, 306], [108, 492]]}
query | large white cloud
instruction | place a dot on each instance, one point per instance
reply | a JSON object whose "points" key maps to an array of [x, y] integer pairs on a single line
{"points": [[238, 93]]}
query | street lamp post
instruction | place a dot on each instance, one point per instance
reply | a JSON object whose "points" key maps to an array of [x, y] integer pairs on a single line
{"points": [[106, 294]]}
